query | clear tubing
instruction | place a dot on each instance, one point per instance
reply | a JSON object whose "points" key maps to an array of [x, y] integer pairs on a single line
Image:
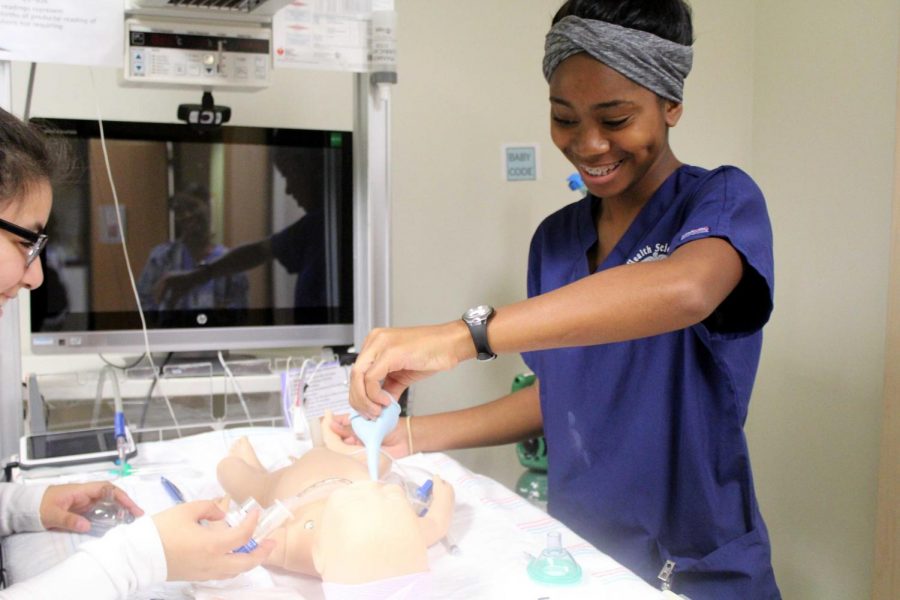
{"points": [[317, 491]]}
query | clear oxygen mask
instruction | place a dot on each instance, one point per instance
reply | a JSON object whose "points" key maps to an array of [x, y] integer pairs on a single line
{"points": [[106, 513], [554, 565]]}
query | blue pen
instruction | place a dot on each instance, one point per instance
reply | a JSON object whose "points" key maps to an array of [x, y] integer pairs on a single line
{"points": [[172, 490]]}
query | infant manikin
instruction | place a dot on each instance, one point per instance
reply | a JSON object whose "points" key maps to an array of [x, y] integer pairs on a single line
{"points": [[359, 536]]}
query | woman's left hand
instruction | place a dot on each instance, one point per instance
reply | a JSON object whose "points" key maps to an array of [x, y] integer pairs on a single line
{"points": [[62, 506]]}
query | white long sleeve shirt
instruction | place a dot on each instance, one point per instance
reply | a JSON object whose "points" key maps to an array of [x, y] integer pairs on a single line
{"points": [[126, 559]]}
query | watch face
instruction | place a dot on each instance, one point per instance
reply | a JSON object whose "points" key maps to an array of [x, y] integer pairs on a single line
{"points": [[478, 313]]}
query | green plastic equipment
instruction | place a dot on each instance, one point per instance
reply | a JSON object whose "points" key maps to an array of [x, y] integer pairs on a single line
{"points": [[532, 453]]}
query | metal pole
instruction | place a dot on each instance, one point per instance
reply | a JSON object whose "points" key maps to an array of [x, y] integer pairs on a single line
{"points": [[11, 414], [371, 156]]}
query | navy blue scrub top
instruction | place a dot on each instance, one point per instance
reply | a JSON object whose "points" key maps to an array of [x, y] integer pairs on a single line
{"points": [[646, 450]]}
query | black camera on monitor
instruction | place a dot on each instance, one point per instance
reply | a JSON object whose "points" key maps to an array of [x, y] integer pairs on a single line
{"points": [[206, 114]]}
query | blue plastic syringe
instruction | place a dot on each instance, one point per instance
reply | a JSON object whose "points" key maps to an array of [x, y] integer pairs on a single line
{"points": [[121, 438]]}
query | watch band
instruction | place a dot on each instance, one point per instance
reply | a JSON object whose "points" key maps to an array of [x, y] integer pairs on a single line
{"points": [[478, 330], [479, 336]]}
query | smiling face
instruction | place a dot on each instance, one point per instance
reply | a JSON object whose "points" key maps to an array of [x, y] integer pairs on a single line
{"points": [[192, 219], [31, 211], [613, 130]]}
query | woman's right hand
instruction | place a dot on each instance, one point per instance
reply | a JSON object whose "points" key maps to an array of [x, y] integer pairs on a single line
{"points": [[395, 443], [195, 552], [392, 359]]}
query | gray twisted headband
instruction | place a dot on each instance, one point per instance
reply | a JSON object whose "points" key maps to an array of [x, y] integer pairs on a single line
{"points": [[649, 60]]}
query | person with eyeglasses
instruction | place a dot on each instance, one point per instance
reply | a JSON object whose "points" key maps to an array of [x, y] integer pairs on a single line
{"points": [[33, 242], [171, 545]]}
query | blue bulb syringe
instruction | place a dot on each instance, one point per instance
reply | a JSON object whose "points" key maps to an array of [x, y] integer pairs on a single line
{"points": [[372, 432]]}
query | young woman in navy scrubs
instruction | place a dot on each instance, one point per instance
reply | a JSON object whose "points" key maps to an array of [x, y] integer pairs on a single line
{"points": [[643, 325]]}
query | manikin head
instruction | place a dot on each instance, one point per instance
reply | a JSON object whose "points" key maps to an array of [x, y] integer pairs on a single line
{"points": [[364, 520]]}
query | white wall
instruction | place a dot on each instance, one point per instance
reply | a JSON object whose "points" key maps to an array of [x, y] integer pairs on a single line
{"points": [[717, 126], [823, 144], [470, 81]]}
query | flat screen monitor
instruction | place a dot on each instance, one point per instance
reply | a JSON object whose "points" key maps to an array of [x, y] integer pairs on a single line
{"points": [[238, 238]]}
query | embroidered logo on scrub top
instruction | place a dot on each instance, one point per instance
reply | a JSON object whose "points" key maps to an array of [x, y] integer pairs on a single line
{"points": [[649, 253], [694, 232]]}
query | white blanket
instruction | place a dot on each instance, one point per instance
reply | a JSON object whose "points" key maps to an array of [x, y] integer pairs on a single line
{"points": [[494, 528]]}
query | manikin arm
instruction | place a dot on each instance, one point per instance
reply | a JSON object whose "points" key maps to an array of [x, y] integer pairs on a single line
{"points": [[436, 522]]}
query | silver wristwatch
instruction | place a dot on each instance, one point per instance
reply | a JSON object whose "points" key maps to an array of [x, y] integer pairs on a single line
{"points": [[476, 319]]}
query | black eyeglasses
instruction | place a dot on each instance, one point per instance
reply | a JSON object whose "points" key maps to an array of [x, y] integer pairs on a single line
{"points": [[37, 240]]}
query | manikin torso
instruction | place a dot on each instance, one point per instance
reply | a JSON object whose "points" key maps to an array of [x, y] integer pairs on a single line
{"points": [[348, 529]]}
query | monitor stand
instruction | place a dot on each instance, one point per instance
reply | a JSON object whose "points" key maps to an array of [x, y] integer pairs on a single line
{"points": [[201, 357], [170, 359]]}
